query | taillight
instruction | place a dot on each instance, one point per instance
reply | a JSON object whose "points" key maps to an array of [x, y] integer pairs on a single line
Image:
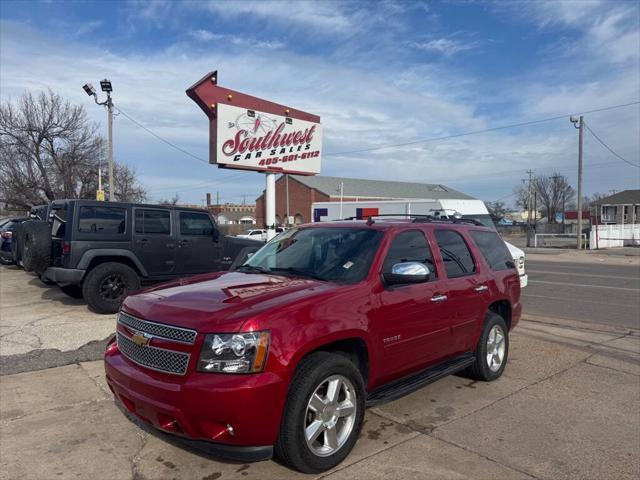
{"points": [[6, 235], [66, 248]]}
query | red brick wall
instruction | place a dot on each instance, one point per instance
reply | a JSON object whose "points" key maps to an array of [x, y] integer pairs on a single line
{"points": [[300, 199]]}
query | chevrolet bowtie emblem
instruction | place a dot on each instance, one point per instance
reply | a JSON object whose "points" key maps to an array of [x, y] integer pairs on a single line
{"points": [[140, 339]]}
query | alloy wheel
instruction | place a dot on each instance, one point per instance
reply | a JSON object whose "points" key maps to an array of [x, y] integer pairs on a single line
{"points": [[330, 415], [495, 348]]}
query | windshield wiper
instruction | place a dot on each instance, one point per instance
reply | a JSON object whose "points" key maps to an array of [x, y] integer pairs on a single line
{"points": [[301, 273], [252, 268]]}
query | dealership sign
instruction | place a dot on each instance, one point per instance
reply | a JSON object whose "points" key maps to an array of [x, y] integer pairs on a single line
{"points": [[258, 140], [251, 133]]}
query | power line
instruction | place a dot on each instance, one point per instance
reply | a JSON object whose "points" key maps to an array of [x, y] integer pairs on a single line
{"points": [[608, 147], [475, 132], [172, 145]]}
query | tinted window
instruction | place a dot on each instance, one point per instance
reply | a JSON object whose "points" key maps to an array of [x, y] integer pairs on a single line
{"points": [[153, 221], [109, 220], [192, 223], [409, 247], [493, 249], [455, 253]]}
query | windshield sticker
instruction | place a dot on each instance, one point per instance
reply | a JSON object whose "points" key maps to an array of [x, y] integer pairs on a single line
{"points": [[347, 265]]}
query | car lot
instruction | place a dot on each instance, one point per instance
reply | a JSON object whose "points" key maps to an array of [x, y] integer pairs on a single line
{"points": [[568, 405]]}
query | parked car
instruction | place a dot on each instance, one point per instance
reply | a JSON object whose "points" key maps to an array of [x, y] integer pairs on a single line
{"points": [[7, 227], [254, 234], [284, 354], [103, 251]]}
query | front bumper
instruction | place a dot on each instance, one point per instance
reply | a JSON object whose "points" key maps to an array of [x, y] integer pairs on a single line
{"points": [[524, 280], [64, 276], [235, 416]]}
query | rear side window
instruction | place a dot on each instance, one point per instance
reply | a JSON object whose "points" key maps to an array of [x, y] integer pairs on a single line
{"points": [[192, 223], [104, 220], [493, 249], [409, 246], [153, 221], [457, 258]]}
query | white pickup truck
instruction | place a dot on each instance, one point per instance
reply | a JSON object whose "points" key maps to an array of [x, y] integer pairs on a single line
{"points": [[472, 209]]}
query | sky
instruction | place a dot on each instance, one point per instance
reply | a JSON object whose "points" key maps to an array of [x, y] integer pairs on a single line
{"points": [[378, 74]]}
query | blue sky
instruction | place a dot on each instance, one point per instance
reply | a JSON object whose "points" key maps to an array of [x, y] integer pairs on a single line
{"points": [[378, 73]]}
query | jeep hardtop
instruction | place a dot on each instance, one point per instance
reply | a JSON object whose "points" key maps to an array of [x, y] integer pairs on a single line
{"points": [[283, 354]]}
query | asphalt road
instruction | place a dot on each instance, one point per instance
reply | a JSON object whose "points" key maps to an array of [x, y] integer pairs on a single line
{"points": [[587, 292]]}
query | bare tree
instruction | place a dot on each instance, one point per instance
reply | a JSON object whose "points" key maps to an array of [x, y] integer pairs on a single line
{"points": [[50, 150], [552, 191], [522, 197], [497, 210], [171, 201]]}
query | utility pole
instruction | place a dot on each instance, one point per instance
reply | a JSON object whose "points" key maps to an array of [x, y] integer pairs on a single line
{"points": [[530, 172], [105, 86], [341, 194], [580, 127]]}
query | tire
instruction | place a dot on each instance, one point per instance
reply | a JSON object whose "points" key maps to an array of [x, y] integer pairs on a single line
{"points": [[6, 261], [312, 376], [243, 256], [481, 370], [16, 243], [74, 291], [107, 285], [36, 253]]}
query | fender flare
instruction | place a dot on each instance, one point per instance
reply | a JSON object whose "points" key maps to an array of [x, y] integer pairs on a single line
{"points": [[89, 255]]}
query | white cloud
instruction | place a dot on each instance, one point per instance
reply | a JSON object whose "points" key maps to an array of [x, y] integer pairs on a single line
{"points": [[205, 36], [445, 46]]}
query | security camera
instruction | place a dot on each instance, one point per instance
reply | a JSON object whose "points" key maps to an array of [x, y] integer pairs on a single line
{"points": [[573, 119]]}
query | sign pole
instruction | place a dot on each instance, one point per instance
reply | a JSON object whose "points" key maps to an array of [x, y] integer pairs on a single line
{"points": [[270, 204]]}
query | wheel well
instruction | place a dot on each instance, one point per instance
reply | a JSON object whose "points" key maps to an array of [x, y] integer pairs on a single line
{"points": [[354, 349], [502, 308], [95, 261]]}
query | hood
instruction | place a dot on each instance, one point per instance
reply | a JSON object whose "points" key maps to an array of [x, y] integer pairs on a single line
{"points": [[220, 302]]}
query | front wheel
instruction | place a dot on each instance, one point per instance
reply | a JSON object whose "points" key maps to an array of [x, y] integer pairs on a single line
{"points": [[106, 286], [323, 415], [492, 350]]}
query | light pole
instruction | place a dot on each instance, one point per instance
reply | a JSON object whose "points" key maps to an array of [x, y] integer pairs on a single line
{"points": [[580, 127], [105, 86]]}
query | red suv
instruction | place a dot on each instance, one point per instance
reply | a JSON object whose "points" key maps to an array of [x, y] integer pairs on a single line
{"points": [[287, 351]]}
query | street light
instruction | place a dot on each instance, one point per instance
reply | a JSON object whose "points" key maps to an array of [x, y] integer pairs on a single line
{"points": [[105, 86]]}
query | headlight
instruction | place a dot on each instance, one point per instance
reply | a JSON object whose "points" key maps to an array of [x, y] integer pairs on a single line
{"points": [[521, 262], [234, 352]]}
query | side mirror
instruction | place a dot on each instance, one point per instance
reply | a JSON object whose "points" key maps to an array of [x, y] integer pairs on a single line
{"points": [[407, 272]]}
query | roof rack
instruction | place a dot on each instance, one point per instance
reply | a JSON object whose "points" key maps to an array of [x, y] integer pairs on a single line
{"points": [[420, 218]]}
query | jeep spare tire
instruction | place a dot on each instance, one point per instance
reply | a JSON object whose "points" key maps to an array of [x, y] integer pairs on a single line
{"points": [[36, 253], [16, 243], [107, 285]]}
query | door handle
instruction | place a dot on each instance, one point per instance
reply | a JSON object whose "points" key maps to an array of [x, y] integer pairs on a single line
{"points": [[142, 241], [481, 288], [182, 242], [439, 298]]}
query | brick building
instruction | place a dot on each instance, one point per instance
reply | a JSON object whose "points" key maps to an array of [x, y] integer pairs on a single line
{"points": [[305, 190]]}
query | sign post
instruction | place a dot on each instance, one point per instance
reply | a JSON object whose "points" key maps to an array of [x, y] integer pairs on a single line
{"points": [[250, 133]]}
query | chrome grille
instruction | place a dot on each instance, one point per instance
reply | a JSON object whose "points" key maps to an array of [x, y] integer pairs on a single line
{"points": [[158, 329], [160, 359]]}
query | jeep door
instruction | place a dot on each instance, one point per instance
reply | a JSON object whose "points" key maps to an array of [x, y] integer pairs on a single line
{"points": [[198, 248], [153, 242], [412, 322], [464, 286]]}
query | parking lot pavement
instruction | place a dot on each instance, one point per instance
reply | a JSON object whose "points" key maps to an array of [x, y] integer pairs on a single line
{"points": [[42, 327], [568, 406]]}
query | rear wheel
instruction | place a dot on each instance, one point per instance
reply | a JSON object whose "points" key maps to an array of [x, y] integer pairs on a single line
{"points": [[74, 291], [492, 350], [323, 415]]}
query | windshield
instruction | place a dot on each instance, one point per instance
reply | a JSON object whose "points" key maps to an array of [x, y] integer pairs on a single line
{"points": [[341, 255], [483, 219]]}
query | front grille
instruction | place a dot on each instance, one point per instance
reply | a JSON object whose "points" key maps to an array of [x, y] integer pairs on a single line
{"points": [[158, 329], [160, 359]]}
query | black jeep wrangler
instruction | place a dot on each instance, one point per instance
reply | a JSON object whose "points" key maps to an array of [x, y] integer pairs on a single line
{"points": [[103, 251]]}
